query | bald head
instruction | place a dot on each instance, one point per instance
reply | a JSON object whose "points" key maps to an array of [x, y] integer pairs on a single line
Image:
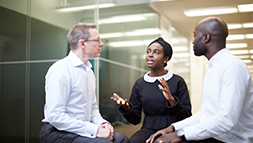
{"points": [[210, 36], [214, 26]]}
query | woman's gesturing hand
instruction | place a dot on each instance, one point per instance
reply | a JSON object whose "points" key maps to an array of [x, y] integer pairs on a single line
{"points": [[119, 101]]}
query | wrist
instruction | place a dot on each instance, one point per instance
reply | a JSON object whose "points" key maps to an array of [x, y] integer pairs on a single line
{"points": [[181, 134]]}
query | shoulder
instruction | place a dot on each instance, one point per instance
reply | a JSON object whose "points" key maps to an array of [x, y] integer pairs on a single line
{"points": [[139, 81], [60, 67], [176, 77], [233, 64]]}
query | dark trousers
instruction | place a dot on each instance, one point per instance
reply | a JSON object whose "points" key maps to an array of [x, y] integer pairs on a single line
{"points": [[141, 136], [50, 134]]}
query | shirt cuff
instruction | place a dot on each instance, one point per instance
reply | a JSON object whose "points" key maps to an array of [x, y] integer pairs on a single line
{"points": [[178, 125], [190, 134], [90, 130]]}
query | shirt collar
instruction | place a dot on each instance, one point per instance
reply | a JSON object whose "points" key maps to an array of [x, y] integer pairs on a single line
{"points": [[216, 57], [77, 61], [167, 76]]}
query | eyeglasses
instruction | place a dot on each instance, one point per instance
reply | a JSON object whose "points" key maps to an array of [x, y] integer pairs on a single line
{"points": [[97, 40]]}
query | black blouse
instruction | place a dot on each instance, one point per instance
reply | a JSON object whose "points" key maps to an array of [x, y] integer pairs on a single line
{"points": [[157, 109]]}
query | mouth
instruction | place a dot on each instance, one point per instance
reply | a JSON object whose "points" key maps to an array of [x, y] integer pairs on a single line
{"points": [[150, 61]]}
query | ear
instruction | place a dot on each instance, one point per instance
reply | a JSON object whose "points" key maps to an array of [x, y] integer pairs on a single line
{"points": [[82, 43], [166, 58], [207, 38]]}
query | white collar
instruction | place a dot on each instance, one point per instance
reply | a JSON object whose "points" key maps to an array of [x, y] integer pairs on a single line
{"points": [[77, 61], [167, 76]]}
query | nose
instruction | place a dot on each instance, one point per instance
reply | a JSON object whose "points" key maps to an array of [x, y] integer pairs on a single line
{"points": [[150, 54], [101, 44]]}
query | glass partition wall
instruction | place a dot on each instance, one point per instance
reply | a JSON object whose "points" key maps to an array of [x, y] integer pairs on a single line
{"points": [[33, 36]]}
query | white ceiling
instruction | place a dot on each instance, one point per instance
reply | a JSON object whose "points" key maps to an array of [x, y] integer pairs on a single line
{"points": [[173, 11]]}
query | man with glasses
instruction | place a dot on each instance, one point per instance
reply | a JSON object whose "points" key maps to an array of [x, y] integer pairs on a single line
{"points": [[71, 111]]}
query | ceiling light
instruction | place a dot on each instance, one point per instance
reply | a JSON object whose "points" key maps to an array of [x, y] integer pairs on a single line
{"points": [[243, 56], [236, 45], [180, 48], [111, 35], [86, 7], [247, 61], [250, 66], [236, 52], [126, 18], [248, 25], [137, 32], [235, 26], [236, 37], [249, 36], [245, 7], [129, 43], [179, 40], [210, 11], [180, 55]]}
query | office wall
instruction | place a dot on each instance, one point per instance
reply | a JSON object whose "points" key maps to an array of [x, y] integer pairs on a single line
{"points": [[22, 83]]}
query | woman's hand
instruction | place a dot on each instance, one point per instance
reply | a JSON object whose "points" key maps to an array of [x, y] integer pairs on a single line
{"points": [[119, 101], [166, 91]]}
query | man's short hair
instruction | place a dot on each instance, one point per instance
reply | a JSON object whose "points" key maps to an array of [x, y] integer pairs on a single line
{"points": [[79, 31]]}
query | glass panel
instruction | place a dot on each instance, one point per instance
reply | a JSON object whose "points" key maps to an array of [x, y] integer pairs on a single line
{"points": [[12, 33], [118, 79], [12, 76], [12, 106], [126, 31], [37, 98], [181, 55]]}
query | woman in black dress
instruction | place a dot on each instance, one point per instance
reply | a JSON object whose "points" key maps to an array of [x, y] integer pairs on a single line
{"points": [[160, 94]]}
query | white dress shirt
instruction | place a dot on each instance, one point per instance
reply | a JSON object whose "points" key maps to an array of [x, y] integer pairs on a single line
{"points": [[71, 103], [226, 111]]}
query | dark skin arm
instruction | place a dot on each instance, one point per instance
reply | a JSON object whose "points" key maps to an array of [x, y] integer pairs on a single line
{"points": [[162, 132]]}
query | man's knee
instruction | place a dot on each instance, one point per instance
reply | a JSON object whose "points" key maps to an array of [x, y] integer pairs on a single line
{"points": [[120, 138]]}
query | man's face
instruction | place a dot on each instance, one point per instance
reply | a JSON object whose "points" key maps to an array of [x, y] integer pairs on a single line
{"points": [[198, 47], [93, 48]]}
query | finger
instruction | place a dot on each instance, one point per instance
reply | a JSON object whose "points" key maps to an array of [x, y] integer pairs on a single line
{"points": [[126, 102], [163, 82], [150, 139], [114, 100], [160, 87], [116, 96]]}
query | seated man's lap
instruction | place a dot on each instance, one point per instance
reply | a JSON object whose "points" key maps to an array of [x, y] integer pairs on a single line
{"points": [[50, 134]]}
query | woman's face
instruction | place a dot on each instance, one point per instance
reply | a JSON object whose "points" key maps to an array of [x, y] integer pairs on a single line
{"points": [[155, 56]]}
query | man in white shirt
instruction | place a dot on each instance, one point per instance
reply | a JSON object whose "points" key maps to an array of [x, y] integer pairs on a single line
{"points": [[71, 111], [226, 113]]}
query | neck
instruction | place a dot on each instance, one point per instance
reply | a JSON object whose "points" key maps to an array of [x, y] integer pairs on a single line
{"points": [[157, 72], [81, 56], [210, 54]]}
